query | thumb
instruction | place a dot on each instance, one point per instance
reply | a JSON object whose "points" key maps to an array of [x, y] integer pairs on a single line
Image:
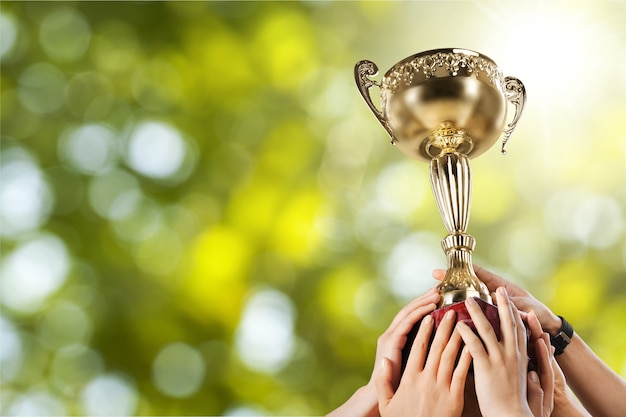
{"points": [[535, 394], [384, 388], [491, 280], [439, 274]]}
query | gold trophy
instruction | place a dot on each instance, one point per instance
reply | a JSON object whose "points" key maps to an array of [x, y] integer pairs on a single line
{"points": [[446, 106]]}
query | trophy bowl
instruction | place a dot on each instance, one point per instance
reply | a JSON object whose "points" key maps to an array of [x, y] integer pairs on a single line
{"points": [[443, 93]]}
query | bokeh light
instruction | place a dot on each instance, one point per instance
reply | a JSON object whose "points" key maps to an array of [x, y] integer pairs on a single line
{"points": [[25, 196], [156, 150], [8, 34], [41, 88], [178, 370], [64, 34], [11, 352], [265, 339], [91, 149], [37, 403], [33, 272], [109, 395], [114, 195]]}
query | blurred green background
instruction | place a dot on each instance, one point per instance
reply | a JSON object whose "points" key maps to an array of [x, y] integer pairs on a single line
{"points": [[200, 216]]}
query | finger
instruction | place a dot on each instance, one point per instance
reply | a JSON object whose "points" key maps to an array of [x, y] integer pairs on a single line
{"points": [[393, 341], [546, 373], [535, 394], [535, 327], [448, 358], [439, 274], [472, 342], [442, 335], [384, 388], [397, 335], [508, 326], [522, 338], [457, 386], [546, 340], [559, 377], [430, 297], [483, 326], [417, 356]]}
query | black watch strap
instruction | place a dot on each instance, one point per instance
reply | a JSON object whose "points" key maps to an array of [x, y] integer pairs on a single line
{"points": [[563, 337]]}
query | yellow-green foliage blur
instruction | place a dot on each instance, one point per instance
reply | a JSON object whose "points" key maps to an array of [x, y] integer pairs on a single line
{"points": [[200, 216]]}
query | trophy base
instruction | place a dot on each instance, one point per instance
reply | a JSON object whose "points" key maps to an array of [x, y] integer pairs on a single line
{"points": [[491, 312]]}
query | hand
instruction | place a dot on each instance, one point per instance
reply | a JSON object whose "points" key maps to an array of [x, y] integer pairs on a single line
{"points": [[364, 402], [430, 384], [541, 382], [392, 341], [500, 374], [522, 299]]}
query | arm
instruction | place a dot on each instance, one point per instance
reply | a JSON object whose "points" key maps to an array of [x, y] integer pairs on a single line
{"points": [[599, 389], [606, 396], [364, 402]]}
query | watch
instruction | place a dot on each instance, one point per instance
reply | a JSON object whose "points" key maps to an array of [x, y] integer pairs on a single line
{"points": [[562, 338]]}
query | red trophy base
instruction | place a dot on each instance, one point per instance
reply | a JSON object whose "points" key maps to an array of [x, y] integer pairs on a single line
{"points": [[491, 312]]}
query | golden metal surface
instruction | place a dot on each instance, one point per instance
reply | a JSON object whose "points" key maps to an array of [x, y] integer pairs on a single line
{"points": [[447, 106], [456, 86]]}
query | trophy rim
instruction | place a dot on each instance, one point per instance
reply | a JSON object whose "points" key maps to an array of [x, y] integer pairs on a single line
{"points": [[440, 63], [423, 54]]}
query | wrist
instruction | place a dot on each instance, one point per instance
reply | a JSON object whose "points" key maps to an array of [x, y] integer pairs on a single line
{"points": [[563, 337], [553, 325], [367, 398]]}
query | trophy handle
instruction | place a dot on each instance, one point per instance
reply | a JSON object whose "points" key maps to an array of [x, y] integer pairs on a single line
{"points": [[362, 71], [516, 94]]}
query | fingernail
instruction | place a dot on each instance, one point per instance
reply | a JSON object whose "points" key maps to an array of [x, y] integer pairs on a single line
{"points": [[471, 302], [427, 319], [449, 315], [533, 376], [383, 363], [502, 291]]}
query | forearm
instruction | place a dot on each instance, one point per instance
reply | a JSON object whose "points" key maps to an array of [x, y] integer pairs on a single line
{"points": [[601, 391], [363, 403]]}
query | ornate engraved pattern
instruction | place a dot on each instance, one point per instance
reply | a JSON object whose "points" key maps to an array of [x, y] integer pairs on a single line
{"points": [[453, 62], [516, 94], [362, 71]]}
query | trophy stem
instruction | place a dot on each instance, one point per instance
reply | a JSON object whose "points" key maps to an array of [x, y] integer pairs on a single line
{"points": [[451, 180]]}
